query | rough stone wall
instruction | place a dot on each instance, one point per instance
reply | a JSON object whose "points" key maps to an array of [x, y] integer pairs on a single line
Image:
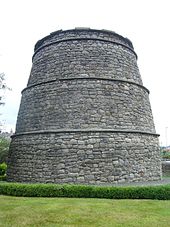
{"points": [[84, 103], [84, 58], [88, 158], [85, 116]]}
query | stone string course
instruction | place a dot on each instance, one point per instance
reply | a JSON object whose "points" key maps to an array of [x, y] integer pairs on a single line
{"points": [[85, 116]]}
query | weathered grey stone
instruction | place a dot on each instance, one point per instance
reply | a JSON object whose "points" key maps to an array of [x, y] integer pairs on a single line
{"points": [[85, 116]]}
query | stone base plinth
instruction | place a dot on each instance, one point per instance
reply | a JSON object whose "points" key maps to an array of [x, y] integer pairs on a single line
{"points": [[84, 158]]}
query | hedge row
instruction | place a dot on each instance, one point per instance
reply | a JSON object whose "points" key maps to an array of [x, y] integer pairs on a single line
{"points": [[83, 191]]}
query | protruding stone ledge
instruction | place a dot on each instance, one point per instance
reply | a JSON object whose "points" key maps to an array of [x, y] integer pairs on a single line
{"points": [[83, 39], [92, 130], [86, 78]]}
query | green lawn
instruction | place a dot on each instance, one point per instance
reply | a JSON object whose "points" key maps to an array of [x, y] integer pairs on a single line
{"points": [[24, 211]]}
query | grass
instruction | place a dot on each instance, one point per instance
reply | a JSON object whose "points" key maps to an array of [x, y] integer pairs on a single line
{"points": [[72, 212]]}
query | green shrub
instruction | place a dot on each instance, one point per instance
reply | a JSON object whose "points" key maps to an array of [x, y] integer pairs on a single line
{"points": [[166, 156], [3, 178], [4, 148], [3, 168], [83, 191]]}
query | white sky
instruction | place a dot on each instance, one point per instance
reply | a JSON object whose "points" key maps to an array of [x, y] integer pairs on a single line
{"points": [[145, 23]]}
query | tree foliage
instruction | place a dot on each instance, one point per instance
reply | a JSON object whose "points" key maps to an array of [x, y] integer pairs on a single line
{"points": [[3, 86], [4, 143]]}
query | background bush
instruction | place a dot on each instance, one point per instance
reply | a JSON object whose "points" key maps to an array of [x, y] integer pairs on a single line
{"points": [[83, 191], [4, 148], [3, 178], [3, 168]]}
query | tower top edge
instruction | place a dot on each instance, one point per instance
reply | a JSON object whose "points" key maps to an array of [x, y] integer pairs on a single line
{"points": [[78, 30]]}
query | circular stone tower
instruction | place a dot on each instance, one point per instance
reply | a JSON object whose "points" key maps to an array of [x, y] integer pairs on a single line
{"points": [[85, 116]]}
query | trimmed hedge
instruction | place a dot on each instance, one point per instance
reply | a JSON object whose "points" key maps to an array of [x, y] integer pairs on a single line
{"points": [[84, 191]]}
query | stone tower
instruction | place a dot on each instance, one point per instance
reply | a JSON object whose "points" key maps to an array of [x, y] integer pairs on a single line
{"points": [[85, 116]]}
